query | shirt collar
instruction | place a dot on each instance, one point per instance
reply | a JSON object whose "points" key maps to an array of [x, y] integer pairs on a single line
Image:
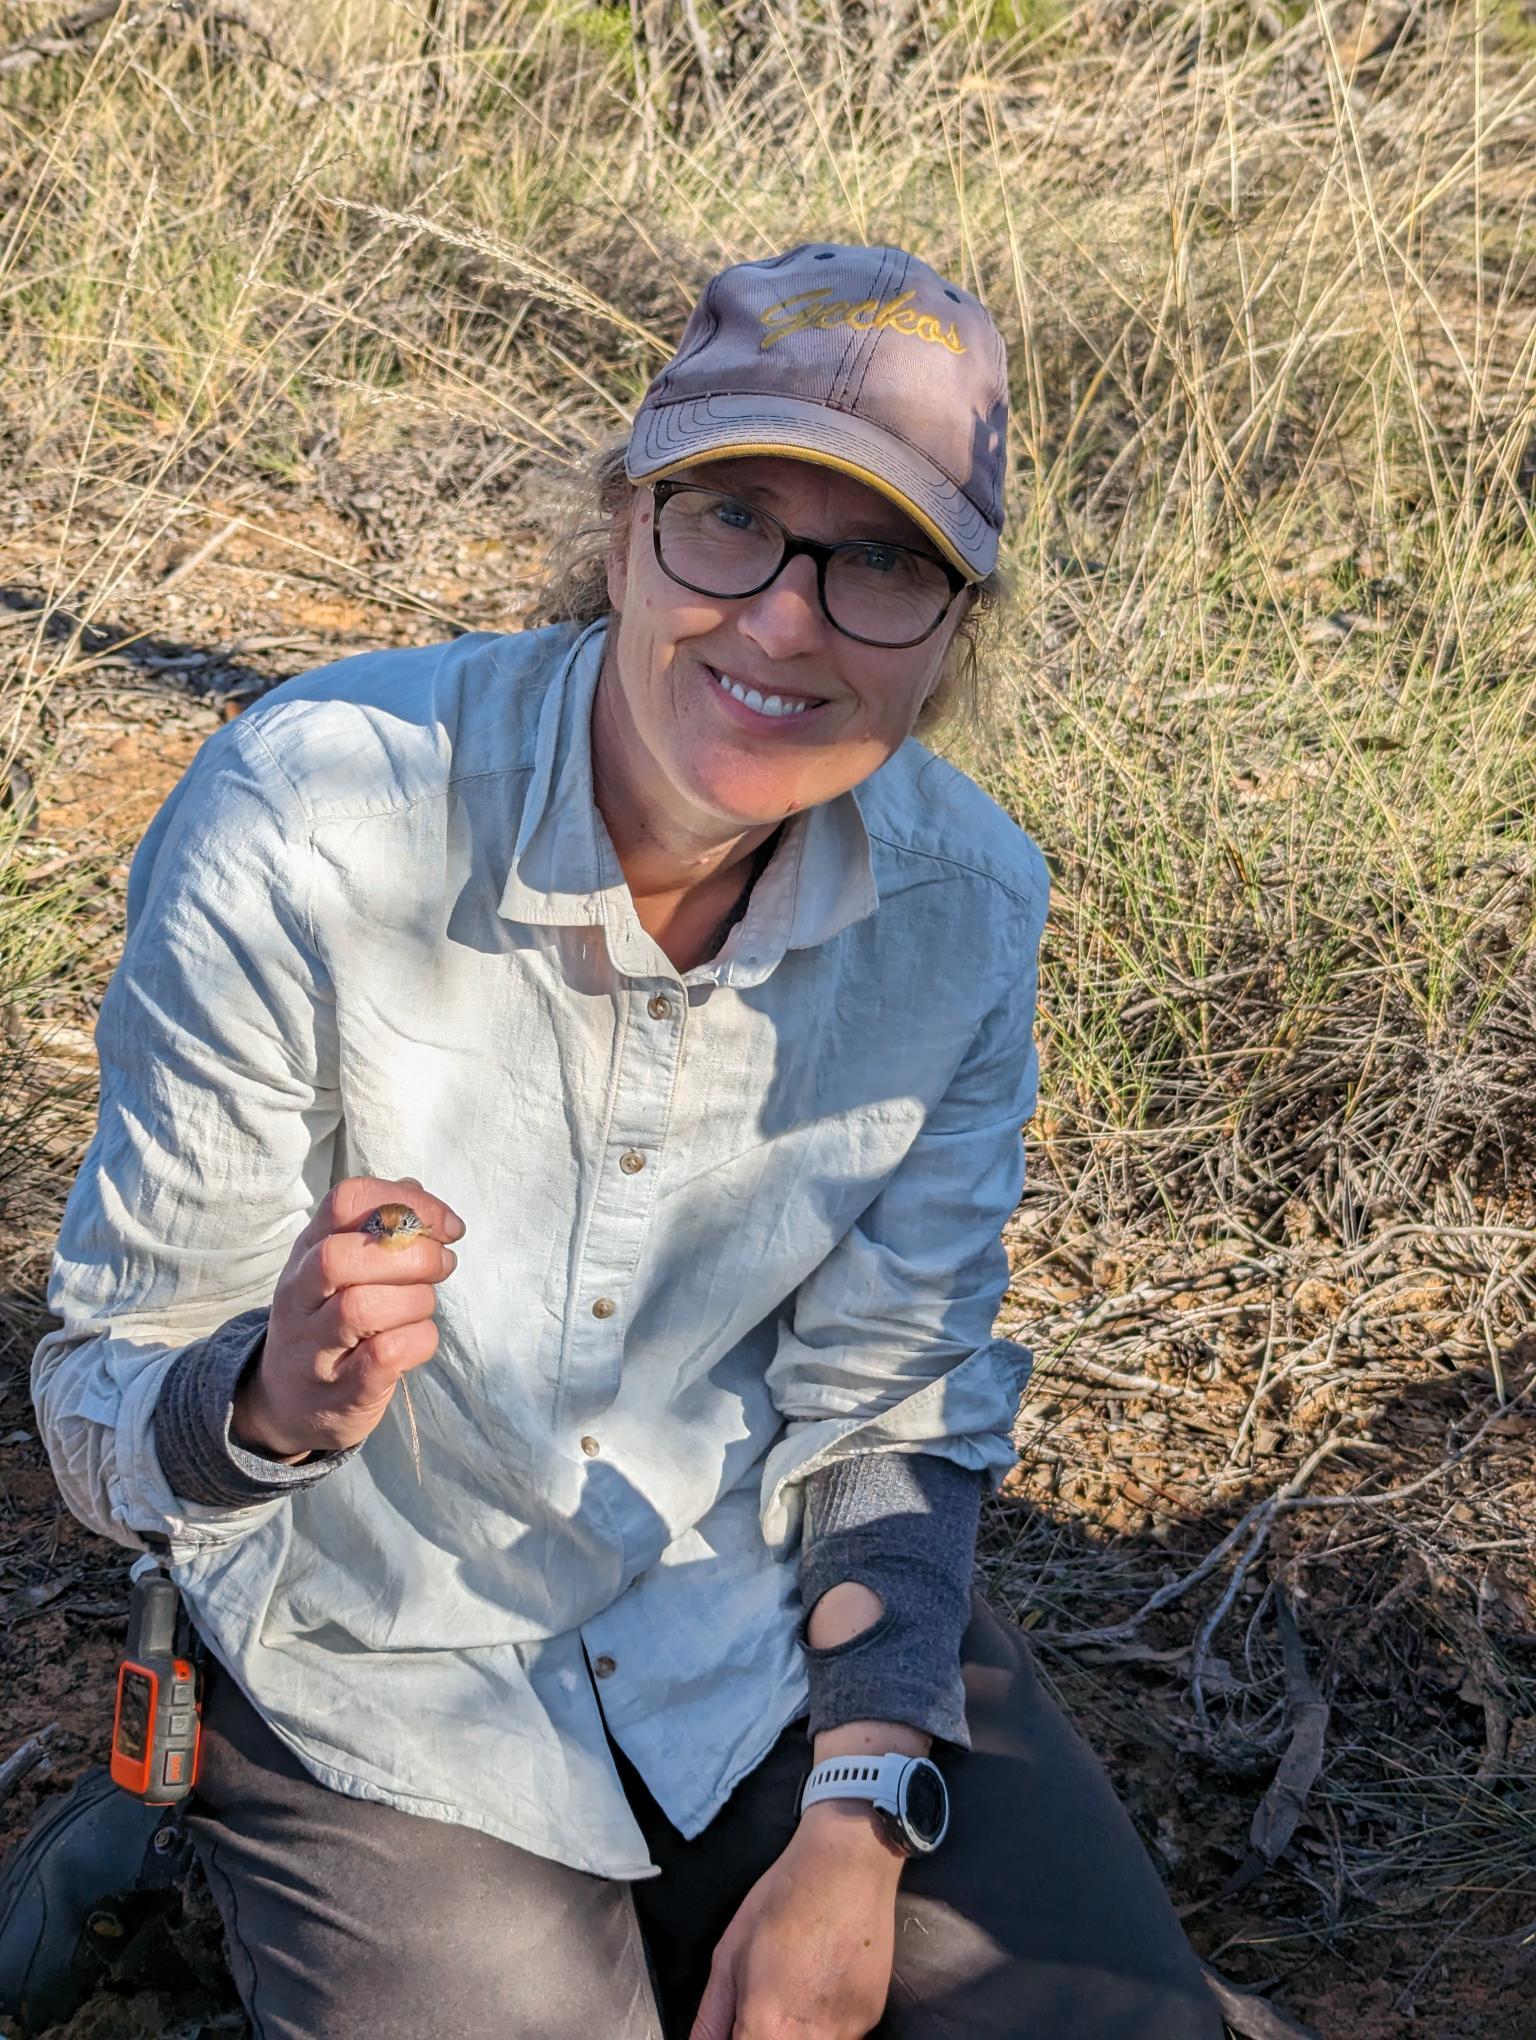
{"points": [[565, 871], [562, 862]]}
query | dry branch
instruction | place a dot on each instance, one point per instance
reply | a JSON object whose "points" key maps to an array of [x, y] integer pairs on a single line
{"points": [[63, 39], [26, 1757]]}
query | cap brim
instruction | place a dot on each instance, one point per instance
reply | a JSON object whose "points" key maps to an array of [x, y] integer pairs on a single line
{"points": [[670, 436]]}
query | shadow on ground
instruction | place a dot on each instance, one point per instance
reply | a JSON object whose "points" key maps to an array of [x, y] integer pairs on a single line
{"points": [[205, 669]]}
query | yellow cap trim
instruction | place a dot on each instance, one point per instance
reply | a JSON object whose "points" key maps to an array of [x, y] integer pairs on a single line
{"points": [[842, 467]]}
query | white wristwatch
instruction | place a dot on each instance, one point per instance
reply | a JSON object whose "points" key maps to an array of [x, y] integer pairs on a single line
{"points": [[907, 1793]]}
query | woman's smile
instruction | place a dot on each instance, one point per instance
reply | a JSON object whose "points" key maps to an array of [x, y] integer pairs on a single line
{"points": [[766, 709]]}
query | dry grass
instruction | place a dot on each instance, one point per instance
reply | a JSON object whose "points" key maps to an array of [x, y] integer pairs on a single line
{"points": [[1269, 281]]}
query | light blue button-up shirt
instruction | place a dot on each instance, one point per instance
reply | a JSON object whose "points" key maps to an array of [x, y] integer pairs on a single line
{"points": [[724, 1226]]}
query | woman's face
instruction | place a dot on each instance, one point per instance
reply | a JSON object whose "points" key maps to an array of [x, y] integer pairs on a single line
{"points": [[717, 765]]}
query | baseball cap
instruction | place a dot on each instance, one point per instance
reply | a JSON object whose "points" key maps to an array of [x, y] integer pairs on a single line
{"points": [[859, 359]]}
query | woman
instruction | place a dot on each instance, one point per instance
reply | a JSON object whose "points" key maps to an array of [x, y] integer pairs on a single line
{"points": [[648, 959]]}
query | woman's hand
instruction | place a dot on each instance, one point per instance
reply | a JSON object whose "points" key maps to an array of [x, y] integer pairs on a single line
{"points": [[350, 1315], [808, 1955]]}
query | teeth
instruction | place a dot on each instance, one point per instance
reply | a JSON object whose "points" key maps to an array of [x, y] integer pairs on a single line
{"points": [[774, 704]]}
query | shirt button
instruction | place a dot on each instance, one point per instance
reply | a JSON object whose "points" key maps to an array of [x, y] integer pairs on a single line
{"points": [[603, 1666], [591, 1447], [604, 1306], [632, 1161], [660, 1008]]}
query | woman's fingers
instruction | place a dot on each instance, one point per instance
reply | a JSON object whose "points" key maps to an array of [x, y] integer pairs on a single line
{"points": [[345, 1260], [366, 1311], [381, 1360], [347, 1203]]}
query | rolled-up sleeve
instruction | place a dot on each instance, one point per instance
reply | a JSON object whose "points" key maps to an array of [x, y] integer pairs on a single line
{"points": [[888, 1344], [214, 1140]]}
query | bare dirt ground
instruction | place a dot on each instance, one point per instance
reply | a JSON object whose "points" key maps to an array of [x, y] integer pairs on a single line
{"points": [[1316, 1705]]}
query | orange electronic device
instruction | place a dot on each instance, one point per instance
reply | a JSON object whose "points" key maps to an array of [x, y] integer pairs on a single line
{"points": [[158, 1723]]}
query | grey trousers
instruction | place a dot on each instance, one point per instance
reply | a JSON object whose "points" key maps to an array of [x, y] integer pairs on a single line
{"points": [[1040, 1916]]}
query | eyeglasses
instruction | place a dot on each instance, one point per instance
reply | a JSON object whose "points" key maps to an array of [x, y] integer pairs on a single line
{"points": [[872, 590]]}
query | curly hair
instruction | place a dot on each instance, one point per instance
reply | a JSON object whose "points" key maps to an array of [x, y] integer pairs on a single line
{"points": [[575, 590]]}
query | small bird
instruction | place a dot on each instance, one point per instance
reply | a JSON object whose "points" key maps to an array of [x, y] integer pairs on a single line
{"points": [[395, 1226]]}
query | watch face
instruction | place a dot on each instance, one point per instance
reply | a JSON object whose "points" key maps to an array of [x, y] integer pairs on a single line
{"points": [[926, 1803]]}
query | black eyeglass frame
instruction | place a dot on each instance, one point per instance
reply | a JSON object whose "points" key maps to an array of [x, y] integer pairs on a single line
{"points": [[814, 549]]}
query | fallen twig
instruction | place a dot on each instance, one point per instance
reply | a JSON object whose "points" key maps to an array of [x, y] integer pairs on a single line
{"points": [[26, 1757], [1282, 1805], [1278, 1812], [1255, 1526], [204, 552], [1253, 2017], [59, 40], [1208, 1628], [1110, 1377], [1255, 1521]]}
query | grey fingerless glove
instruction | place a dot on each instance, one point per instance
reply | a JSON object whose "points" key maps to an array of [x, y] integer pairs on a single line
{"points": [[904, 1525], [198, 1455]]}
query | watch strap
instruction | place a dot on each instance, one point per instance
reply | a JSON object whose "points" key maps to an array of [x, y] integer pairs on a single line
{"points": [[871, 1778]]}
